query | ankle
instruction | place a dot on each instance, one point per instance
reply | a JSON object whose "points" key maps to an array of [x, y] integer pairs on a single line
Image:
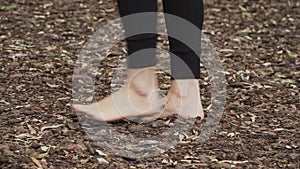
{"points": [[182, 87], [142, 80]]}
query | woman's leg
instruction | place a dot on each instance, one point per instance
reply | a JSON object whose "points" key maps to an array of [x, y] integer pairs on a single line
{"points": [[139, 96], [143, 29], [184, 57], [185, 62]]}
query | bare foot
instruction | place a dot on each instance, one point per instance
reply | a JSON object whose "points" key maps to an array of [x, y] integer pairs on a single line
{"points": [[139, 97], [184, 99]]}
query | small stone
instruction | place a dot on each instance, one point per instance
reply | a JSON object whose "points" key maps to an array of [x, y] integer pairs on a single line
{"points": [[102, 161], [273, 135], [224, 165], [288, 147], [294, 156], [292, 166], [91, 149], [158, 123], [53, 151], [7, 152], [72, 126], [3, 159], [35, 145], [44, 148]]}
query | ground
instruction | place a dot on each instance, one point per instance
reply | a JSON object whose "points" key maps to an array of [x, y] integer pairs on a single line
{"points": [[257, 41]]}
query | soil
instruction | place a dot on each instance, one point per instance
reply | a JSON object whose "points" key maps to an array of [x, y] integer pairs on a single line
{"points": [[257, 42]]}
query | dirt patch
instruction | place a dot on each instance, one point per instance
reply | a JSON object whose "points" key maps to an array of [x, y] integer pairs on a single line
{"points": [[258, 42]]}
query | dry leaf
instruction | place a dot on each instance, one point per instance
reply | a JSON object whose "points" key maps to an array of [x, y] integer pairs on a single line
{"points": [[101, 153], [52, 86], [32, 130], [279, 129], [35, 156], [5, 102], [36, 162], [233, 162], [230, 134], [84, 161], [17, 75], [51, 127]]}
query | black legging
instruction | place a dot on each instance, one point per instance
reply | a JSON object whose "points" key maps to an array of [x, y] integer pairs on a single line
{"points": [[190, 10]]}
